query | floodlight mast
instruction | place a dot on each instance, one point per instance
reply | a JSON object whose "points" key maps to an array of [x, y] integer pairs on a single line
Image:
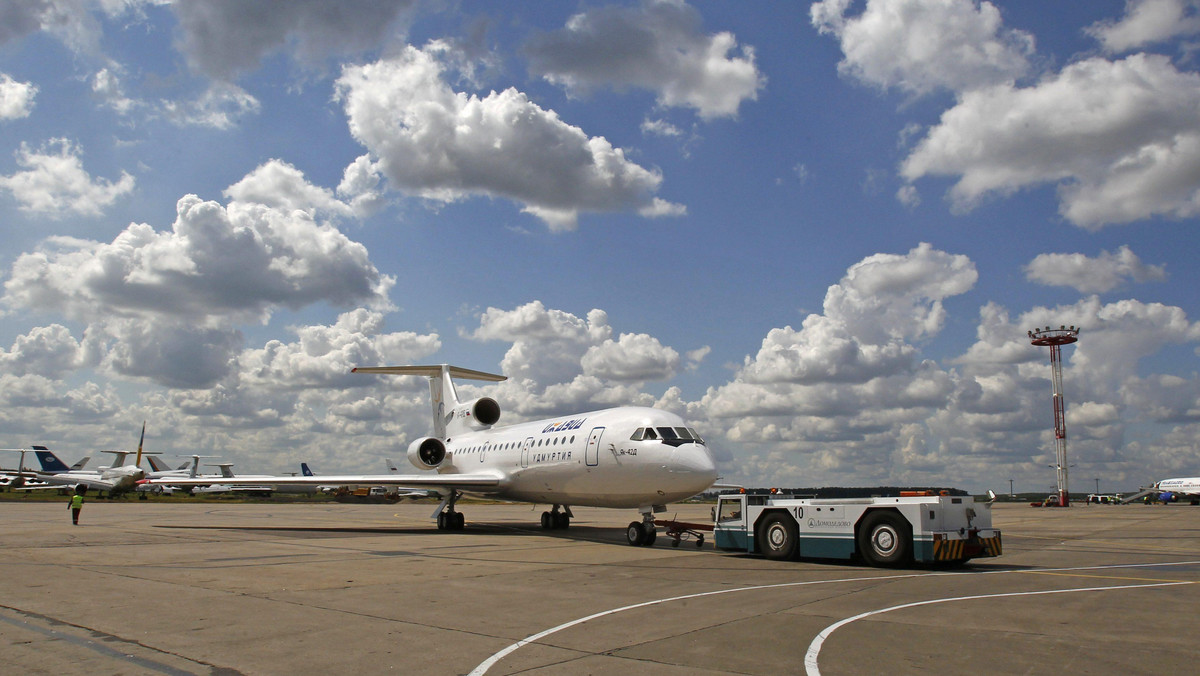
{"points": [[1055, 339]]}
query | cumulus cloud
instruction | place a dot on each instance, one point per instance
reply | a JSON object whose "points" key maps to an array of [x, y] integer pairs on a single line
{"points": [[633, 357], [163, 295], [1119, 138], [48, 351], [838, 396], [55, 183], [1092, 275], [658, 46], [71, 21], [444, 145], [324, 355], [899, 296], [219, 107], [281, 186], [106, 86], [224, 37], [882, 302], [1147, 22], [559, 362], [920, 46], [1113, 339], [239, 261], [16, 98], [548, 344]]}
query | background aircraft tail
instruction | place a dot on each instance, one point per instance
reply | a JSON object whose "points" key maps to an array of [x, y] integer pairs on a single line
{"points": [[157, 465], [49, 461]]}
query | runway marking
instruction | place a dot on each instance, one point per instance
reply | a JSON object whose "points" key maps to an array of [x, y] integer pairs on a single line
{"points": [[814, 648], [1099, 577], [487, 664]]}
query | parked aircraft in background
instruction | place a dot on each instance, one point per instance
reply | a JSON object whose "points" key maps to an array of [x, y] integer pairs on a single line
{"points": [[627, 457], [115, 479], [51, 464], [1168, 489], [22, 476]]}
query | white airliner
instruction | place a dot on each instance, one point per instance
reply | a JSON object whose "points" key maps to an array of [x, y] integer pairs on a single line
{"points": [[116, 478], [627, 457], [1189, 486]]}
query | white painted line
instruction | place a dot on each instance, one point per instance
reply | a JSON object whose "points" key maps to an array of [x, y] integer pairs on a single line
{"points": [[814, 648], [491, 661]]}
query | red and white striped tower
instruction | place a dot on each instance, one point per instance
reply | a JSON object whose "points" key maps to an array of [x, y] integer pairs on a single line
{"points": [[1055, 339]]}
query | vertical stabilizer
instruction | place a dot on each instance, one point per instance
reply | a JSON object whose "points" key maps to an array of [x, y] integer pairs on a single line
{"points": [[442, 396], [49, 462], [140, 440]]}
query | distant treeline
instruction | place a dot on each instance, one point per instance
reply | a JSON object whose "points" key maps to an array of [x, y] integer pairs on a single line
{"points": [[827, 492]]}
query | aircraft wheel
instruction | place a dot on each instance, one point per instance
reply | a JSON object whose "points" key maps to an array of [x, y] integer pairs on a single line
{"points": [[547, 522], [459, 520], [634, 534], [561, 521], [651, 535], [441, 520]]}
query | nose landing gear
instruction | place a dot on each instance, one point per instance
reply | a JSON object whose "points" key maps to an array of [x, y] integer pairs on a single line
{"points": [[642, 533]]}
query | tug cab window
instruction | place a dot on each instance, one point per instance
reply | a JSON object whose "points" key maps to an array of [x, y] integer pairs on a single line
{"points": [[730, 511]]}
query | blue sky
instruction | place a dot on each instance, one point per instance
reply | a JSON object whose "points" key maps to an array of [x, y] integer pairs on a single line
{"points": [[819, 231]]}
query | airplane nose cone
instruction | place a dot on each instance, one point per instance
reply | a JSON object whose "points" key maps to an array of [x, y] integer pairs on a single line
{"points": [[695, 461]]}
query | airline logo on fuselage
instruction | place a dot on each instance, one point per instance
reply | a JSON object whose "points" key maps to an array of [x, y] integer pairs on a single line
{"points": [[564, 425]]}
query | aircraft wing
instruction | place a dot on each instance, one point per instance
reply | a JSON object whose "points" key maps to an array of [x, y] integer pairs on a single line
{"points": [[62, 480], [477, 483]]}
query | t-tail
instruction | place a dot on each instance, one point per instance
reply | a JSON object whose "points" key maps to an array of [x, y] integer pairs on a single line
{"points": [[450, 416], [49, 462]]}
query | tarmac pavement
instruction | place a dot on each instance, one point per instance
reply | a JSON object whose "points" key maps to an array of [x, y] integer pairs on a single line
{"points": [[212, 588]]}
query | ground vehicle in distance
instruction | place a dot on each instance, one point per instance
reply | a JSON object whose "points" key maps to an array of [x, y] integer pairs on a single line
{"points": [[892, 531]]}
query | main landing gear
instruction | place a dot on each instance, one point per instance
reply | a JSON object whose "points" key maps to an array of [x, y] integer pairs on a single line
{"points": [[642, 533], [556, 520], [447, 518]]}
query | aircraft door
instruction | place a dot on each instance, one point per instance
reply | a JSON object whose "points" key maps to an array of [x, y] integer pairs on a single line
{"points": [[592, 452], [525, 451]]}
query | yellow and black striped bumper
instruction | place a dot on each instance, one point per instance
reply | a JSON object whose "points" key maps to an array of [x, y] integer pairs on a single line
{"points": [[966, 548]]}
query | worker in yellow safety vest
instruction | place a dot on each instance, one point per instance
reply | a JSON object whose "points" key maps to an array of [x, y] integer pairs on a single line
{"points": [[76, 503]]}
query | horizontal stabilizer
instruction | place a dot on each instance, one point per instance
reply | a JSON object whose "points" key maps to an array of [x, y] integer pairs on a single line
{"points": [[431, 372]]}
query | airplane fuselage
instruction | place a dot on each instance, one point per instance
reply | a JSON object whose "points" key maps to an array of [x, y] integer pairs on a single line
{"points": [[1184, 486], [589, 459]]}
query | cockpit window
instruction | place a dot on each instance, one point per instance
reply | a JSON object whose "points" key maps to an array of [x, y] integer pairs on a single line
{"points": [[637, 434], [668, 434], [684, 433], [696, 435], [650, 434]]}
